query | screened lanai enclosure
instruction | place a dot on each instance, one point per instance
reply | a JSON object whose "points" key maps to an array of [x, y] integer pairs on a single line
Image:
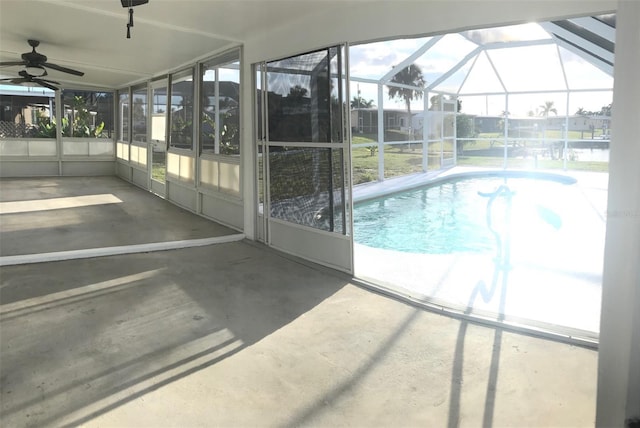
{"points": [[480, 164], [462, 170], [524, 96]]}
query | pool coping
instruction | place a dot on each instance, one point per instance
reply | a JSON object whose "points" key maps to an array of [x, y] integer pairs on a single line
{"points": [[372, 190]]}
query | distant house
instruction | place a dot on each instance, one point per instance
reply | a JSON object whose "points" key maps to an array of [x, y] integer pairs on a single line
{"points": [[528, 125], [581, 123], [365, 120]]}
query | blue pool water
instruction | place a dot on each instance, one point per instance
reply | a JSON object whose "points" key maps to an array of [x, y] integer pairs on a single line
{"points": [[451, 216]]}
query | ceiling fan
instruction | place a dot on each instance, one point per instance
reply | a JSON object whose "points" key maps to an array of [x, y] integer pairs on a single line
{"points": [[27, 78], [36, 64]]}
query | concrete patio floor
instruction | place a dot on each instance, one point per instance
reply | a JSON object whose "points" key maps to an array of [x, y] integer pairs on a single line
{"points": [[236, 334]]}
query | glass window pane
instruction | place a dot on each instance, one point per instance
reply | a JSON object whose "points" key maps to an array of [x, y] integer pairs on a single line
{"points": [[123, 111], [87, 114], [182, 88], [259, 113], [306, 187], [208, 108], [364, 131], [220, 120], [531, 68], [27, 116], [338, 87], [139, 114], [581, 74], [229, 96]]}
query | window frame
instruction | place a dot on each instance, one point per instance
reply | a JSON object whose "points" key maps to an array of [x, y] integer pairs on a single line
{"points": [[175, 78], [225, 59]]}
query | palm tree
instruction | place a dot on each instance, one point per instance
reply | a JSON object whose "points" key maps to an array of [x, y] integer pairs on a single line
{"points": [[548, 107], [606, 110], [359, 102], [545, 109], [411, 76]]}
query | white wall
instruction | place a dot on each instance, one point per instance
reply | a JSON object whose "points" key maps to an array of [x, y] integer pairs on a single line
{"points": [[375, 20], [619, 352]]}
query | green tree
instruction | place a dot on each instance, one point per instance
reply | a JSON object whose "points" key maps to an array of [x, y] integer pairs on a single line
{"points": [[465, 128], [606, 110], [359, 102], [545, 109], [410, 76], [582, 112], [297, 92], [229, 131], [82, 120], [548, 107]]}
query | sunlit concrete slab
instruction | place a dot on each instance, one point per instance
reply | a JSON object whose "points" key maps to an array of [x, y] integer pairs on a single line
{"points": [[56, 203], [238, 335], [45, 215]]}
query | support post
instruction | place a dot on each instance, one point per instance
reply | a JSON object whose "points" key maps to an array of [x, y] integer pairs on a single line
{"points": [[618, 398], [566, 135], [506, 131], [425, 131], [380, 133]]}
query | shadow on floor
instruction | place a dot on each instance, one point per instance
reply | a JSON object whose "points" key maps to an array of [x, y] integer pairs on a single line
{"points": [[82, 337]]}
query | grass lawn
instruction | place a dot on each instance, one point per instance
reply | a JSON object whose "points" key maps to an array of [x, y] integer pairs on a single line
{"points": [[497, 162], [159, 172], [401, 160], [494, 139], [397, 161]]}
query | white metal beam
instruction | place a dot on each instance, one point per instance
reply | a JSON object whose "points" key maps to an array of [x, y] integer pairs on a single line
{"points": [[495, 70], [517, 44], [564, 72], [597, 27], [467, 76], [601, 65], [576, 40], [455, 68], [410, 59]]}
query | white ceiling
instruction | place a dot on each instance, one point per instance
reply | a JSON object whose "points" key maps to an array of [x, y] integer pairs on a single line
{"points": [[90, 35]]}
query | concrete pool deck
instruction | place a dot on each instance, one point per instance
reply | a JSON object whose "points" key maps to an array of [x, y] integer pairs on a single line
{"points": [[555, 288], [238, 335]]}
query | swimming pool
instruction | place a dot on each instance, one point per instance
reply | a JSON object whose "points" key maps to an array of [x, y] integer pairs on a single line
{"points": [[452, 216]]}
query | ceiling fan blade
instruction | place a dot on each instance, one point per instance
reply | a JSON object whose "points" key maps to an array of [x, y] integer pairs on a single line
{"points": [[63, 69], [8, 63], [45, 84], [14, 80]]}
